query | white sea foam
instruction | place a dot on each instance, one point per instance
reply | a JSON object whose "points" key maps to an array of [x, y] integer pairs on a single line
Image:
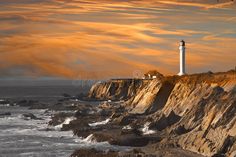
{"points": [[67, 121], [4, 104], [127, 127], [36, 132], [100, 123], [90, 139], [146, 130], [90, 142], [91, 112]]}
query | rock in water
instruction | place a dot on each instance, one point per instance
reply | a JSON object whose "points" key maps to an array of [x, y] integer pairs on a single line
{"points": [[94, 153], [5, 114], [29, 116]]}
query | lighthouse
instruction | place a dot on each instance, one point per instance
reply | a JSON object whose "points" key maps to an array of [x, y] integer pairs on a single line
{"points": [[181, 58]]}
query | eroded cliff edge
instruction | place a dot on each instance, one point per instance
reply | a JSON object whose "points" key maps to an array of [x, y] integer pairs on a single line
{"points": [[195, 112]]}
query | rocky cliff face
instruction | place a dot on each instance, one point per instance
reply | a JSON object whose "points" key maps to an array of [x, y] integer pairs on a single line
{"points": [[195, 112], [116, 89]]}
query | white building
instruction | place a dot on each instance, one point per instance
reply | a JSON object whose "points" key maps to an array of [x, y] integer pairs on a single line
{"points": [[182, 58]]}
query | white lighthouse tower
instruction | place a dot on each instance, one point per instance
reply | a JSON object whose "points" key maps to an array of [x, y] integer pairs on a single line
{"points": [[182, 58]]}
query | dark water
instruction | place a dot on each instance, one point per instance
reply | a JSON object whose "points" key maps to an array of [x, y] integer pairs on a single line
{"points": [[41, 93]]}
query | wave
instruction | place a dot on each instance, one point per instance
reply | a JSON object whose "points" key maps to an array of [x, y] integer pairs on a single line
{"points": [[100, 123], [90, 139], [66, 121], [146, 130], [127, 127]]}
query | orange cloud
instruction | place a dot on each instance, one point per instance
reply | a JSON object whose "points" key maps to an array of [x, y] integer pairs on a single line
{"points": [[112, 38]]}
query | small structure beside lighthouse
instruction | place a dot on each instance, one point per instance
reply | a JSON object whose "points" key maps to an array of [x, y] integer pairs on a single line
{"points": [[182, 58]]}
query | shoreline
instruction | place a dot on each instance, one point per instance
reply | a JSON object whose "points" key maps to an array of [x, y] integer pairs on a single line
{"points": [[169, 116]]}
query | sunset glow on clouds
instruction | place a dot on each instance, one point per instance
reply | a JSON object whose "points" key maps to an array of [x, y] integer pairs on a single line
{"points": [[111, 38]]}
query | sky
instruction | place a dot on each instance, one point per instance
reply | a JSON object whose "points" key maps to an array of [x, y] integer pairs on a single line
{"points": [[97, 39]]}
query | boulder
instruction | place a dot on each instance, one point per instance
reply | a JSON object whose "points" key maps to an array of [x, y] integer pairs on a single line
{"points": [[29, 116], [94, 153]]}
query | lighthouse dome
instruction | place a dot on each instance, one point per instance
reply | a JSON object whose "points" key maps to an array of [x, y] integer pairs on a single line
{"points": [[182, 43]]}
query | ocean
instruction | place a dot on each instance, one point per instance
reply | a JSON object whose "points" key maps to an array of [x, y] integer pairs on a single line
{"points": [[22, 137]]}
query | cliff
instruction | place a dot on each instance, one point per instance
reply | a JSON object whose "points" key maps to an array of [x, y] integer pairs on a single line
{"points": [[195, 112], [116, 89]]}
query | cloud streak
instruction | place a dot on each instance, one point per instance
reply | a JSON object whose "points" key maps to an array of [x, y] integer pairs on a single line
{"points": [[100, 39]]}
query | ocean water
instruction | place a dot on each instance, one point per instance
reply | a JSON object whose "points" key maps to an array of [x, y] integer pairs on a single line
{"points": [[20, 137], [42, 93]]}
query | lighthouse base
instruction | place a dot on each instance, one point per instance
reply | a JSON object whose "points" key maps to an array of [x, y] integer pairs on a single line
{"points": [[181, 73]]}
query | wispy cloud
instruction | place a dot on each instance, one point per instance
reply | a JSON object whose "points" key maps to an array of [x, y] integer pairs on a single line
{"points": [[106, 38]]}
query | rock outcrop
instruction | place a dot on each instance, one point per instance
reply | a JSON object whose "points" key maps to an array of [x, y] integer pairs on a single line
{"points": [[195, 112], [116, 89]]}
